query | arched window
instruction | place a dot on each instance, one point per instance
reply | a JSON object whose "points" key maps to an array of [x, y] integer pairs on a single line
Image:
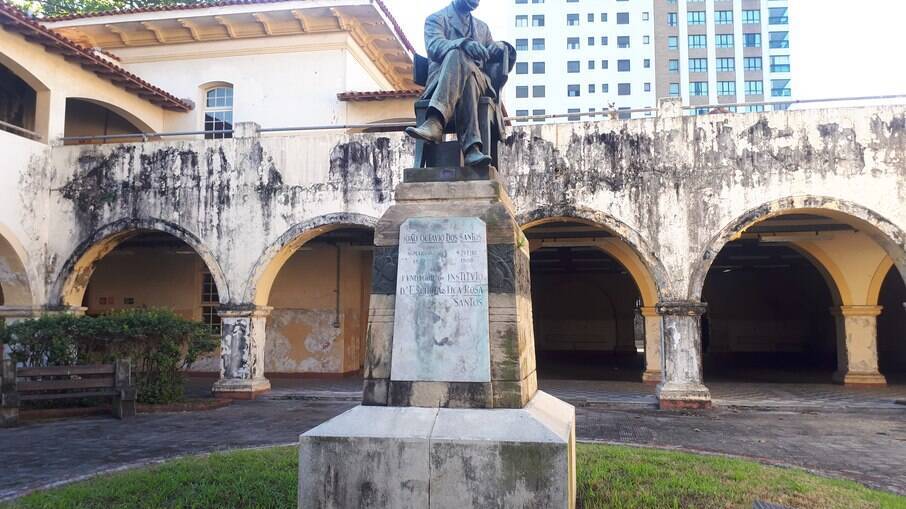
{"points": [[218, 112]]}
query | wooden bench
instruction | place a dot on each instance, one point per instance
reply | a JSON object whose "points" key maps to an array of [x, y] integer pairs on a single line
{"points": [[65, 382]]}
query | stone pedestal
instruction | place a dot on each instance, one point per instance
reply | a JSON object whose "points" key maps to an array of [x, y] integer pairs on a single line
{"points": [[451, 415], [511, 348], [242, 353], [439, 458], [682, 387], [857, 346]]}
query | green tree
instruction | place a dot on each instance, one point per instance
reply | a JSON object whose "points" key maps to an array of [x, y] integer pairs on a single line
{"points": [[49, 8]]}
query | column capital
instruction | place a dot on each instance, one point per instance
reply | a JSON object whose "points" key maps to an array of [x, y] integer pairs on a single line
{"points": [[649, 311], [846, 311], [682, 308], [62, 310], [244, 311], [20, 311]]}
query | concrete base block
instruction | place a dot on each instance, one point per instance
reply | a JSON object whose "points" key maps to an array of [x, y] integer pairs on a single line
{"points": [[408, 457], [241, 389], [674, 396], [855, 379], [651, 377]]}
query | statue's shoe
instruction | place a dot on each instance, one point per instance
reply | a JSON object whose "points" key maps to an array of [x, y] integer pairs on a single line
{"points": [[476, 159], [430, 131]]}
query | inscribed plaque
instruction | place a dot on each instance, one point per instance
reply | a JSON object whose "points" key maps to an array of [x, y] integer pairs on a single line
{"points": [[440, 328]]}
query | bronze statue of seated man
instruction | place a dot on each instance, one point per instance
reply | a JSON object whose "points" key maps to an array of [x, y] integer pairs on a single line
{"points": [[465, 65]]}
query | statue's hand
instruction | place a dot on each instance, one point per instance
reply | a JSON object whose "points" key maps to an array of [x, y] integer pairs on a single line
{"points": [[496, 50], [476, 51]]}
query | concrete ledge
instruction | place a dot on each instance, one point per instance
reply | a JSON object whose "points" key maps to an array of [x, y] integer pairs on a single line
{"points": [[651, 377], [408, 457], [680, 404], [674, 396], [855, 379], [241, 389], [448, 174]]}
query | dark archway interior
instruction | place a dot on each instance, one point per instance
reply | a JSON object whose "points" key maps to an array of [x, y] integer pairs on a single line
{"points": [[892, 328], [768, 316], [17, 100], [584, 306], [154, 270], [85, 118]]}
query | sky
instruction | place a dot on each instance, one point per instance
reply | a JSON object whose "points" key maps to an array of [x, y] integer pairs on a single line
{"points": [[839, 48]]}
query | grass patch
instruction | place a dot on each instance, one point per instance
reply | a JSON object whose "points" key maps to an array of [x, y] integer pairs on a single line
{"points": [[609, 478], [632, 478]]}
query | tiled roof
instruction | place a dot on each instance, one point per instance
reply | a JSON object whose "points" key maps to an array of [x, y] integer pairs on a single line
{"points": [[379, 95], [221, 3], [14, 20]]}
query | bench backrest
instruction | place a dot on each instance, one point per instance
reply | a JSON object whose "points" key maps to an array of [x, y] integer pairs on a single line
{"points": [[62, 379]]}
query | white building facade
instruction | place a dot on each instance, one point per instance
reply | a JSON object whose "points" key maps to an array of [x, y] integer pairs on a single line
{"points": [[582, 56], [712, 52]]}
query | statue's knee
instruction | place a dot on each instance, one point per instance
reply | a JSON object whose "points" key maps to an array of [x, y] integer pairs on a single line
{"points": [[456, 56]]}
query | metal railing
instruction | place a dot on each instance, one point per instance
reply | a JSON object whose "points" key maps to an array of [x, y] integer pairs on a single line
{"points": [[21, 131], [616, 114]]}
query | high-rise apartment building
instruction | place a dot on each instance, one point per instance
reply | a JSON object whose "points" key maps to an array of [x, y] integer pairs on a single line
{"points": [[582, 55], [589, 55], [723, 51]]}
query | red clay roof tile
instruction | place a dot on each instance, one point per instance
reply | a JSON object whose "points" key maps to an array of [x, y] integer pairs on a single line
{"points": [[14, 20]]}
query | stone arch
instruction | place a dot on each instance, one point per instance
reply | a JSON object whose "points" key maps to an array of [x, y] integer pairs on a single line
{"points": [[139, 124], [887, 234], [39, 116], [261, 280], [15, 278], [639, 260], [877, 280], [832, 275], [72, 279]]}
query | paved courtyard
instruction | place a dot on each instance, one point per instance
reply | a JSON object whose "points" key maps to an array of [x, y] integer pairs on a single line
{"points": [[788, 396], [857, 435]]}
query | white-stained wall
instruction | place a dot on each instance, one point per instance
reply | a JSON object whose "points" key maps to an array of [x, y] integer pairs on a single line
{"points": [[55, 80], [288, 81]]}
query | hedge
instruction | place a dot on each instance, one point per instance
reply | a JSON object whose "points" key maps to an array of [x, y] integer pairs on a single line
{"points": [[159, 343]]}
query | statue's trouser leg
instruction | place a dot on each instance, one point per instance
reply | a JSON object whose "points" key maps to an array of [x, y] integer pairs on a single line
{"points": [[446, 95], [467, 128], [457, 94]]}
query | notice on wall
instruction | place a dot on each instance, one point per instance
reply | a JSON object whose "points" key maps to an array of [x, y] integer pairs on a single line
{"points": [[440, 328]]}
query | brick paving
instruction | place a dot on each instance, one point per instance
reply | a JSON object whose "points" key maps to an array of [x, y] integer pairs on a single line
{"points": [[788, 396], [865, 443]]}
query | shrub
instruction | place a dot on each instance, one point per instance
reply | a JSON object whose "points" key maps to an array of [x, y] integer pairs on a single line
{"points": [[159, 343]]}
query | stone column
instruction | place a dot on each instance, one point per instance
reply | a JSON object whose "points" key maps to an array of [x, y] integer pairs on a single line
{"points": [[681, 345], [12, 314], [242, 353], [857, 346], [653, 362]]}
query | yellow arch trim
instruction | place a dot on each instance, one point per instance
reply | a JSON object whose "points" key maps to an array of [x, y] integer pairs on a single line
{"points": [[267, 277], [877, 281], [619, 250], [828, 269], [633, 264], [20, 295]]}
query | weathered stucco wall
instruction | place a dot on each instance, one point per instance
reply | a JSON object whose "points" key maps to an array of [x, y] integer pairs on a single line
{"points": [[674, 188], [23, 211]]}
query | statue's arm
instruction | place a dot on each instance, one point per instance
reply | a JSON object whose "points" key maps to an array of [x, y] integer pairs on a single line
{"points": [[436, 40], [497, 49]]}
